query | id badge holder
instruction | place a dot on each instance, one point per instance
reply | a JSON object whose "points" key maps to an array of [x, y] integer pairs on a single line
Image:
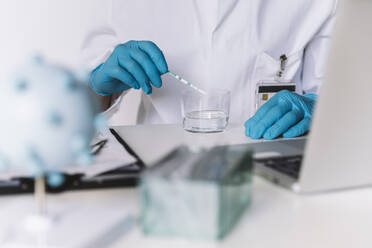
{"points": [[266, 89]]}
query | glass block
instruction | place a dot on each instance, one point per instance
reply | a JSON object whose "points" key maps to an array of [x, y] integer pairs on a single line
{"points": [[196, 195]]}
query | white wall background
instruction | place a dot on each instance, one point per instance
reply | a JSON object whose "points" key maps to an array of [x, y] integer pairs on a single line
{"points": [[55, 29]]}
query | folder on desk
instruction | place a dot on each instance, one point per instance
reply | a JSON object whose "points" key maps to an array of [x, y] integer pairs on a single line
{"points": [[104, 172]]}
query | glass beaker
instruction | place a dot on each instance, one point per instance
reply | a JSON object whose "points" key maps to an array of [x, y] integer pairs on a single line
{"points": [[205, 113]]}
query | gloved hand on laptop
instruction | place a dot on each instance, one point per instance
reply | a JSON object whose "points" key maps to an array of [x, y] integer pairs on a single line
{"points": [[286, 113]]}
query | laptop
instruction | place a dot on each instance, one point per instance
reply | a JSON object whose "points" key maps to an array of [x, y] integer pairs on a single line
{"points": [[337, 154], [338, 151]]}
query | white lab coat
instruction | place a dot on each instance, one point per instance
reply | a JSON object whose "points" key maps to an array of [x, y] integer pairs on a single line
{"points": [[230, 44]]}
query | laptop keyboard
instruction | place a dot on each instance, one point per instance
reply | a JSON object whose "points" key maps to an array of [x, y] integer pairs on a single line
{"points": [[288, 165]]}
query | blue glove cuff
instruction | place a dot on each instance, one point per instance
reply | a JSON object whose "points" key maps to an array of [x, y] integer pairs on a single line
{"points": [[312, 96]]}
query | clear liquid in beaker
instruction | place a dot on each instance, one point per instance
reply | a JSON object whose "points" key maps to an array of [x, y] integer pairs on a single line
{"points": [[205, 121]]}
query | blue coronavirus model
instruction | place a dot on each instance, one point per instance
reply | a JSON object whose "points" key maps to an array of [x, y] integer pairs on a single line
{"points": [[48, 117]]}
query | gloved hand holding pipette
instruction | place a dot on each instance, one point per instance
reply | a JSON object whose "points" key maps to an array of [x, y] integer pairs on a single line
{"points": [[135, 64]]}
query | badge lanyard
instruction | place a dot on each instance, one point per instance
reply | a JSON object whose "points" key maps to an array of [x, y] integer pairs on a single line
{"points": [[266, 89]]}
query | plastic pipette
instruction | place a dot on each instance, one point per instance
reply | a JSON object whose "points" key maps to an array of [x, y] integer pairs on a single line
{"points": [[187, 83]]}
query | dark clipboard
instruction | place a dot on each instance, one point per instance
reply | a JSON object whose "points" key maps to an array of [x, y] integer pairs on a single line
{"points": [[126, 176]]}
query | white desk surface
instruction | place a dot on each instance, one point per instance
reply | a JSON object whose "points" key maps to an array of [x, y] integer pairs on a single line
{"points": [[276, 218]]}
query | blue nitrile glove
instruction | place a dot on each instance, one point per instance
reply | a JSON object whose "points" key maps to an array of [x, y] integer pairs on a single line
{"points": [[286, 114], [135, 64]]}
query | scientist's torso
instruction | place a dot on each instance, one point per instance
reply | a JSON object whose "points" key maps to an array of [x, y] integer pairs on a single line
{"points": [[228, 44]]}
